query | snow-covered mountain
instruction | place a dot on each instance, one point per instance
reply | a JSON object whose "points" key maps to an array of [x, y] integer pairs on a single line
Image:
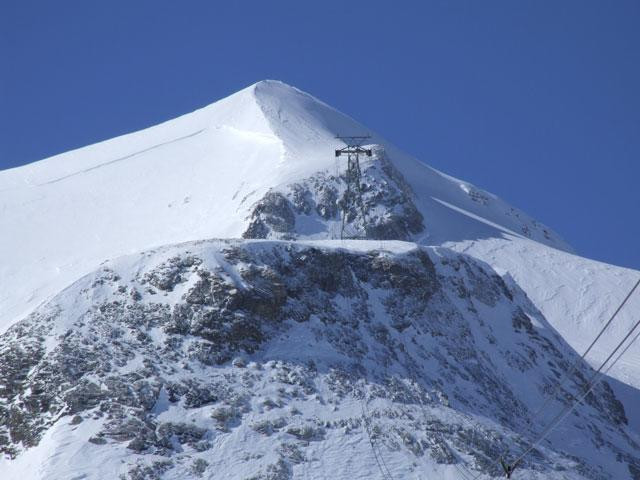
{"points": [[199, 176], [423, 351]]}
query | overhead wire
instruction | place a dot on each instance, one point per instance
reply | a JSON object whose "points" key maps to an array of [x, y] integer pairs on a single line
{"points": [[377, 453], [424, 414], [574, 367], [595, 378], [464, 463], [591, 384]]}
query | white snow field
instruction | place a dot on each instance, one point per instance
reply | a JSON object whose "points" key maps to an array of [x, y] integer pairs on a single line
{"points": [[207, 174]]}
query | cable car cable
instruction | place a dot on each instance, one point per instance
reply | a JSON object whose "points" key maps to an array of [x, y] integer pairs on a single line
{"points": [[595, 378], [574, 367]]}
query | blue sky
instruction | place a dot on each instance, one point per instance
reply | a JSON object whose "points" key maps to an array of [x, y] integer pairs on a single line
{"points": [[536, 101]]}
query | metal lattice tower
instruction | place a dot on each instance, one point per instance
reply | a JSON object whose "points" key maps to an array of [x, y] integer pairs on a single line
{"points": [[353, 196]]}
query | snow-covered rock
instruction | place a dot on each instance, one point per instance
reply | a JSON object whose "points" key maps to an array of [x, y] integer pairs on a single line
{"points": [[249, 359]]}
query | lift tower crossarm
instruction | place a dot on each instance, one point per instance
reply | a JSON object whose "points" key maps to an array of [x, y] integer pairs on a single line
{"points": [[348, 150], [354, 143]]}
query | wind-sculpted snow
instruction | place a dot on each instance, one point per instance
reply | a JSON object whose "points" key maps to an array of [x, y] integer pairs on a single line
{"points": [[281, 360]]}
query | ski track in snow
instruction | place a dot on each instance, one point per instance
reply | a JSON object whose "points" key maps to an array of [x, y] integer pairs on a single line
{"points": [[117, 160]]}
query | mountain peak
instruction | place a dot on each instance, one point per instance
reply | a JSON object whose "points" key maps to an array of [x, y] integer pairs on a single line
{"points": [[280, 90], [273, 86], [205, 174], [274, 108]]}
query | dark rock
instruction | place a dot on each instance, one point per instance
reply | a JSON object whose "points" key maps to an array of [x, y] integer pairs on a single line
{"points": [[98, 440], [77, 419], [383, 209], [272, 213]]}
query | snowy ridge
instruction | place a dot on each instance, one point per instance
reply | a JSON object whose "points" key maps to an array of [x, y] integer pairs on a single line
{"points": [[576, 295]]}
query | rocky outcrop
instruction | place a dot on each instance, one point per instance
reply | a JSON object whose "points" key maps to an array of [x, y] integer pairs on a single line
{"points": [[317, 206]]}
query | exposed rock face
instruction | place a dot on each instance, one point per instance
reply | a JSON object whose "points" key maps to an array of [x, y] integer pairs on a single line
{"points": [[184, 357], [274, 216], [316, 207]]}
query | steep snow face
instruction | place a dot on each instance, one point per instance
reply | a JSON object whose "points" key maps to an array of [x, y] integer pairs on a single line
{"points": [[201, 176], [576, 295], [455, 210], [280, 360]]}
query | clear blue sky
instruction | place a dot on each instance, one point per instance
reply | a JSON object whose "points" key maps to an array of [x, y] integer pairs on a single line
{"points": [[536, 101]]}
